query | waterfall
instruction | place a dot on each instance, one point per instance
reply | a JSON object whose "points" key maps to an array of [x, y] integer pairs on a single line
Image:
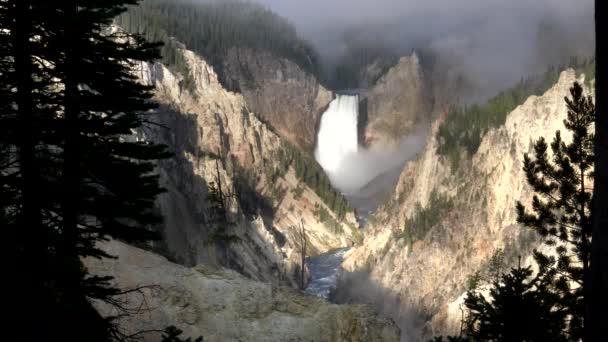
{"points": [[338, 138]]}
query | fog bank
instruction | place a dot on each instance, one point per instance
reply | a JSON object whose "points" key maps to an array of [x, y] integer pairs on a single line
{"points": [[359, 168], [492, 43]]}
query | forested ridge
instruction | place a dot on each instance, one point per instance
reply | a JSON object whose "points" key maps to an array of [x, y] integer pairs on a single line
{"points": [[212, 28], [464, 127], [311, 173]]}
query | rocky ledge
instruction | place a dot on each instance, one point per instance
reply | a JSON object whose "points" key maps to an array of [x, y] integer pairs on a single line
{"points": [[222, 305]]}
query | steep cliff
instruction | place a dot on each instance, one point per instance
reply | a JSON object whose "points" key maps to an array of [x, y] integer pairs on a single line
{"points": [[285, 96], [442, 225], [253, 50], [397, 103], [219, 143], [221, 305]]}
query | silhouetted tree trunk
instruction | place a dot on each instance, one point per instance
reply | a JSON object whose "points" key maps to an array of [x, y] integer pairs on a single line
{"points": [[29, 219], [68, 253], [70, 149], [599, 253], [23, 69]]}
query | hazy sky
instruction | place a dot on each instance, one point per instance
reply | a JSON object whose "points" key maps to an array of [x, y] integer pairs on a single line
{"points": [[310, 15], [498, 40]]}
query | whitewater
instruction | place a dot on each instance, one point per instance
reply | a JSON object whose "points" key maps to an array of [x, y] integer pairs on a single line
{"points": [[338, 139], [366, 176]]}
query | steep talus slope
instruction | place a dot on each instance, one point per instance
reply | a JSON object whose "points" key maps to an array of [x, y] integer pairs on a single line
{"points": [[285, 96], [465, 216], [222, 305], [214, 135], [397, 103]]}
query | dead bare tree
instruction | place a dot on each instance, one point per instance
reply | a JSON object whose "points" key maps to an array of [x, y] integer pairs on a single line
{"points": [[220, 198], [222, 202], [303, 246]]}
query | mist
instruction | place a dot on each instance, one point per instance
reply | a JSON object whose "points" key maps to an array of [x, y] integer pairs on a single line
{"points": [[358, 169], [491, 44]]}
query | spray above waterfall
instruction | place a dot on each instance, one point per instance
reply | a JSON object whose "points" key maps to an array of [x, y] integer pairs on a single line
{"points": [[349, 166]]}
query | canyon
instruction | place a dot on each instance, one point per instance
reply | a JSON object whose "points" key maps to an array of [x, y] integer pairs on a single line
{"points": [[420, 282], [254, 246], [248, 148]]}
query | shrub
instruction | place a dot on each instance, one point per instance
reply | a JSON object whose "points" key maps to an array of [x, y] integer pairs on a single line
{"points": [[417, 226], [325, 217]]}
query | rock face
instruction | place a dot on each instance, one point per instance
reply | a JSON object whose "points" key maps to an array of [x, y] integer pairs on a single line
{"points": [[218, 142], [222, 305], [286, 97], [422, 281], [397, 103]]}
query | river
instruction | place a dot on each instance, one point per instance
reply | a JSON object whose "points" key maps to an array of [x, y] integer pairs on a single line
{"points": [[324, 271]]}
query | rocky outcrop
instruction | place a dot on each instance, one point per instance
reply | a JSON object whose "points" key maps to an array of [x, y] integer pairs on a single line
{"points": [[222, 305], [372, 72], [218, 142], [425, 279], [286, 97], [397, 103]]}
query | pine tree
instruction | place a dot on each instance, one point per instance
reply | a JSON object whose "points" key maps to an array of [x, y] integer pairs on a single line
{"points": [[73, 170], [24, 161], [599, 263], [519, 307], [173, 334], [561, 206], [107, 175]]}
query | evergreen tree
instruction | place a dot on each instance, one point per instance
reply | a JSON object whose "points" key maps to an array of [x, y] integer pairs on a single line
{"points": [[24, 161], [173, 334], [561, 206], [551, 305], [107, 176], [518, 308], [73, 172], [599, 258]]}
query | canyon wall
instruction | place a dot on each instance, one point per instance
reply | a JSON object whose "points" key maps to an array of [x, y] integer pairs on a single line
{"points": [[218, 141], [286, 97], [397, 104], [420, 281]]}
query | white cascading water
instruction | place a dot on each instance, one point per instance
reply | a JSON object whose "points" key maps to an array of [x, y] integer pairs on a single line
{"points": [[337, 141], [365, 175], [338, 138]]}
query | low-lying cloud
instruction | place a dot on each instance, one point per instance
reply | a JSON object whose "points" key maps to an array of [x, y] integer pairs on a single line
{"points": [[358, 169], [494, 43]]}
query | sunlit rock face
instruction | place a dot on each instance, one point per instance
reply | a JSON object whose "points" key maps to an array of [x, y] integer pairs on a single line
{"points": [[214, 136], [420, 283]]}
